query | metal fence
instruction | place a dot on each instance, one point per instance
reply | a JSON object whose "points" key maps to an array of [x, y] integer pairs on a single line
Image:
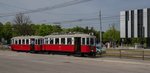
{"points": [[128, 53]]}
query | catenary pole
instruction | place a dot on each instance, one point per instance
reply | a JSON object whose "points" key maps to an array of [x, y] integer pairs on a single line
{"points": [[100, 29]]}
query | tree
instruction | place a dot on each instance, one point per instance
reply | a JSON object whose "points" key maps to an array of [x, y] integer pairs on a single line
{"points": [[76, 29], [22, 24], [138, 40], [7, 31], [35, 29], [111, 35], [86, 30], [56, 28], [44, 30], [1, 29]]}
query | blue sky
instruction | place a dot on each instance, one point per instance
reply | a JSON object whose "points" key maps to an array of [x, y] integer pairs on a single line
{"points": [[85, 10]]}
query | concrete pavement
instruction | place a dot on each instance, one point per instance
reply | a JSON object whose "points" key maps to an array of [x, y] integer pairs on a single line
{"points": [[14, 62]]}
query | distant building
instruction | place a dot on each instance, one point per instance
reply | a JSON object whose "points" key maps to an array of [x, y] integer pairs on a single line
{"points": [[135, 24]]}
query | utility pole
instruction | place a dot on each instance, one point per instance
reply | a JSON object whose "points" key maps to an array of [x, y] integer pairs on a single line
{"points": [[100, 19]]}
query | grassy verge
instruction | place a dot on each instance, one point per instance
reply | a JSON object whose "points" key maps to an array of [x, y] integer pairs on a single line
{"points": [[3, 48], [128, 53]]}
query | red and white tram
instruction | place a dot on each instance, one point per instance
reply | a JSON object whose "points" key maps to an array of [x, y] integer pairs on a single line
{"points": [[73, 43], [26, 43], [66, 43]]}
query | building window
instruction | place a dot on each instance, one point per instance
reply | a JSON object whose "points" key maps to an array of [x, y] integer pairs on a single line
{"points": [[148, 22], [140, 23], [132, 23], [126, 25]]}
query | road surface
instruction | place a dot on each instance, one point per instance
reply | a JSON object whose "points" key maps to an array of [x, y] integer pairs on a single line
{"points": [[18, 62]]}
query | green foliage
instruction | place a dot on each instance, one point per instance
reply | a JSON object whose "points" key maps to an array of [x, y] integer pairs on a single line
{"points": [[111, 35], [138, 40], [56, 29], [1, 30], [7, 31], [75, 29], [35, 29], [22, 26], [44, 30]]}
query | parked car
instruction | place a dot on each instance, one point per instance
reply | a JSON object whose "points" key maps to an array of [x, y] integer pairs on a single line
{"points": [[100, 50]]}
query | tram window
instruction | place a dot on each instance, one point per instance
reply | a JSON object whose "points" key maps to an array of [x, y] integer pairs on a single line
{"points": [[46, 40], [39, 41], [51, 41], [62, 40], [27, 41], [19, 41], [56, 40], [15, 41], [87, 41], [42, 41], [83, 41], [23, 41], [36, 41], [69, 41], [92, 41]]}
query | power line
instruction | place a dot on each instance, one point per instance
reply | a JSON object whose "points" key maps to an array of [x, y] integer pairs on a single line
{"points": [[13, 6], [71, 13], [81, 20], [66, 4], [56, 6], [105, 18]]}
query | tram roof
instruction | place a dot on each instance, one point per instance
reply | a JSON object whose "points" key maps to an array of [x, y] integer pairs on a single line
{"points": [[27, 37], [70, 35]]}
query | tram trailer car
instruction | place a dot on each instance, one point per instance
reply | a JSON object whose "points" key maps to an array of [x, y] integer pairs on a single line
{"points": [[70, 43], [27, 43], [83, 44]]}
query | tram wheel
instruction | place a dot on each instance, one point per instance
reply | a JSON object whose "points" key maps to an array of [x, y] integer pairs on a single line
{"points": [[82, 55]]}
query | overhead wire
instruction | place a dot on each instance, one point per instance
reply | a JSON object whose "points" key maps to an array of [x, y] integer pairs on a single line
{"points": [[104, 19], [70, 3]]}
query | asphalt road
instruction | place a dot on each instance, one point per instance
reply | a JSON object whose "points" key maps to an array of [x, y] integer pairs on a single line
{"points": [[14, 62]]}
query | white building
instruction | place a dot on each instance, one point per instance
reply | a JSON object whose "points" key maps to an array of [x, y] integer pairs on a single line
{"points": [[135, 23]]}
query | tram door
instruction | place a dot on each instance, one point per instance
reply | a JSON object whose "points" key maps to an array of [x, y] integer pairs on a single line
{"points": [[39, 44], [77, 44], [32, 45]]}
